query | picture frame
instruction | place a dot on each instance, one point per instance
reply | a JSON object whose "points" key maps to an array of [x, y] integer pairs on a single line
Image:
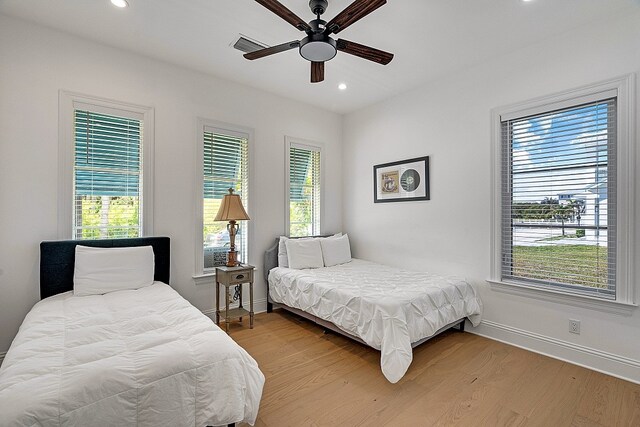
{"points": [[401, 181]]}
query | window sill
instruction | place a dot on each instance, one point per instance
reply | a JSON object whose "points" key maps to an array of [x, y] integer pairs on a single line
{"points": [[584, 301], [205, 278]]}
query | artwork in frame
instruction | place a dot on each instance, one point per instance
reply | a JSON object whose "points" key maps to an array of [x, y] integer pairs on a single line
{"points": [[402, 181]]}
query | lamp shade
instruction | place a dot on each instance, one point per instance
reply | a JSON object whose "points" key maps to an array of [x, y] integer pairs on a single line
{"points": [[231, 208]]}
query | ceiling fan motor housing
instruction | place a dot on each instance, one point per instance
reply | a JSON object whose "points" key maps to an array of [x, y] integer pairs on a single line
{"points": [[318, 48]]}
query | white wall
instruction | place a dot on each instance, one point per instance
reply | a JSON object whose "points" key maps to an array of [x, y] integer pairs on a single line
{"points": [[450, 121], [35, 63]]}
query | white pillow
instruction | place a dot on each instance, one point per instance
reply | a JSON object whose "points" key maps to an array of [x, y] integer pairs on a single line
{"points": [[336, 251], [282, 252], [304, 253], [283, 260], [335, 236], [98, 271]]}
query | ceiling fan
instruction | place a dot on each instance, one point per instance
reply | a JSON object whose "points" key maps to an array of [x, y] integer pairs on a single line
{"points": [[318, 47]]}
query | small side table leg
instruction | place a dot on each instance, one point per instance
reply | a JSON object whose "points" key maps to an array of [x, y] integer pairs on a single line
{"points": [[251, 305], [217, 303], [240, 286], [226, 314]]}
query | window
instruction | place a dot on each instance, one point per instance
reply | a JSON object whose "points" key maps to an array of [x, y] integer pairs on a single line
{"points": [[560, 187], [304, 197], [105, 185], [224, 165], [107, 176], [560, 181]]}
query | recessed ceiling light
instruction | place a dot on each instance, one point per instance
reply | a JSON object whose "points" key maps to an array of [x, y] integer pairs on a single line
{"points": [[119, 3], [342, 86]]}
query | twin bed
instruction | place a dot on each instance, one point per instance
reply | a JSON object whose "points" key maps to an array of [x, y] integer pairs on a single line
{"points": [[126, 358], [389, 309]]}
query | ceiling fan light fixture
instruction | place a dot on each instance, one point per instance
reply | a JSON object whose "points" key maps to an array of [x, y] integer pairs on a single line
{"points": [[318, 49]]}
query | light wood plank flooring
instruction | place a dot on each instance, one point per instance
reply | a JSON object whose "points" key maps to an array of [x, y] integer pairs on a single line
{"points": [[317, 379]]}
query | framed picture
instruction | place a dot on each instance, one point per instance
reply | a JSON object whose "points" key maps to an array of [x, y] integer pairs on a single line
{"points": [[402, 181]]}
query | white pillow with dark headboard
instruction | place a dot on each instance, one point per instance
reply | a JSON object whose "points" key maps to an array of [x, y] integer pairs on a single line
{"points": [[99, 271]]}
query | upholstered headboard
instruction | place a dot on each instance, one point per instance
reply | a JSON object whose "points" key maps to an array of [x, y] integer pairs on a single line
{"points": [[57, 260], [271, 255]]}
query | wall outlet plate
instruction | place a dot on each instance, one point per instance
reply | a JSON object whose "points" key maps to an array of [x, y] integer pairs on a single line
{"points": [[574, 326]]}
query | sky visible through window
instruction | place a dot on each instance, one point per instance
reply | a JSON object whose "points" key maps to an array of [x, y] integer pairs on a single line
{"points": [[559, 153]]}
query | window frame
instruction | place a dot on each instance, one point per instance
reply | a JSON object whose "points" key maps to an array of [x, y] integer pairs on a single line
{"points": [[292, 142], [201, 275], [623, 89], [68, 102]]}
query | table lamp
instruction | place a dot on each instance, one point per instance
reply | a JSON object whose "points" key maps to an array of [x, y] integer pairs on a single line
{"points": [[231, 210]]}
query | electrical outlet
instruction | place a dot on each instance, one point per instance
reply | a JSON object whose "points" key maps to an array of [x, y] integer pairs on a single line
{"points": [[574, 326]]}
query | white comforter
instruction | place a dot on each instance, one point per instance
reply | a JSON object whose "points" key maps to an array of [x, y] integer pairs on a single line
{"points": [[386, 307], [128, 358]]}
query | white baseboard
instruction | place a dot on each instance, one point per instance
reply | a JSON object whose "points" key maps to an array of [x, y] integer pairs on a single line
{"points": [[259, 306], [576, 354]]}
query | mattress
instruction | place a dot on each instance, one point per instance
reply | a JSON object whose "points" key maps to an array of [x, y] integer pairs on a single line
{"points": [[141, 357], [388, 308]]}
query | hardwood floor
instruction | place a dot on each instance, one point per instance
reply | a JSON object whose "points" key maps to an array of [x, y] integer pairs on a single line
{"points": [[317, 379]]}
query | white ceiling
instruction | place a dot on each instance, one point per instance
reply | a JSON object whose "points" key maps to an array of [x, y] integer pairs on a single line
{"points": [[430, 38]]}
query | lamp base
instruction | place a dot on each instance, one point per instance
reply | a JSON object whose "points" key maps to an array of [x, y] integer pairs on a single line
{"points": [[232, 259]]}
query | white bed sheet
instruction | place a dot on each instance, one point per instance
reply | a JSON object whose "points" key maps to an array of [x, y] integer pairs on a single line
{"points": [[388, 308], [141, 357]]}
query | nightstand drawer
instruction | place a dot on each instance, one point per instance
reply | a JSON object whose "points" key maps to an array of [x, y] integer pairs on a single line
{"points": [[233, 277]]}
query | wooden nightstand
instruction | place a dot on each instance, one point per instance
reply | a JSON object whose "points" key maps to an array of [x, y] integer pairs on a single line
{"points": [[234, 277]]}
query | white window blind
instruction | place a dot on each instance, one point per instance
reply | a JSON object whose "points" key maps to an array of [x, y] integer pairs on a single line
{"points": [[225, 165], [304, 190], [559, 199], [107, 178]]}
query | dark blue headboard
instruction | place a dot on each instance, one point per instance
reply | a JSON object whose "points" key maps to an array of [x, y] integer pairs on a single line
{"points": [[57, 260]]}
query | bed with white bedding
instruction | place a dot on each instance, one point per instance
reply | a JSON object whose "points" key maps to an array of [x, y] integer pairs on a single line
{"points": [[138, 357], [387, 308]]}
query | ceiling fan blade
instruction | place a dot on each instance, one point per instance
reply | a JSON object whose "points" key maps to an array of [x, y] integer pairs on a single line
{"points": [[271, 50], [354, 12], [317, 72], [284, 13], [366, 52]]}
